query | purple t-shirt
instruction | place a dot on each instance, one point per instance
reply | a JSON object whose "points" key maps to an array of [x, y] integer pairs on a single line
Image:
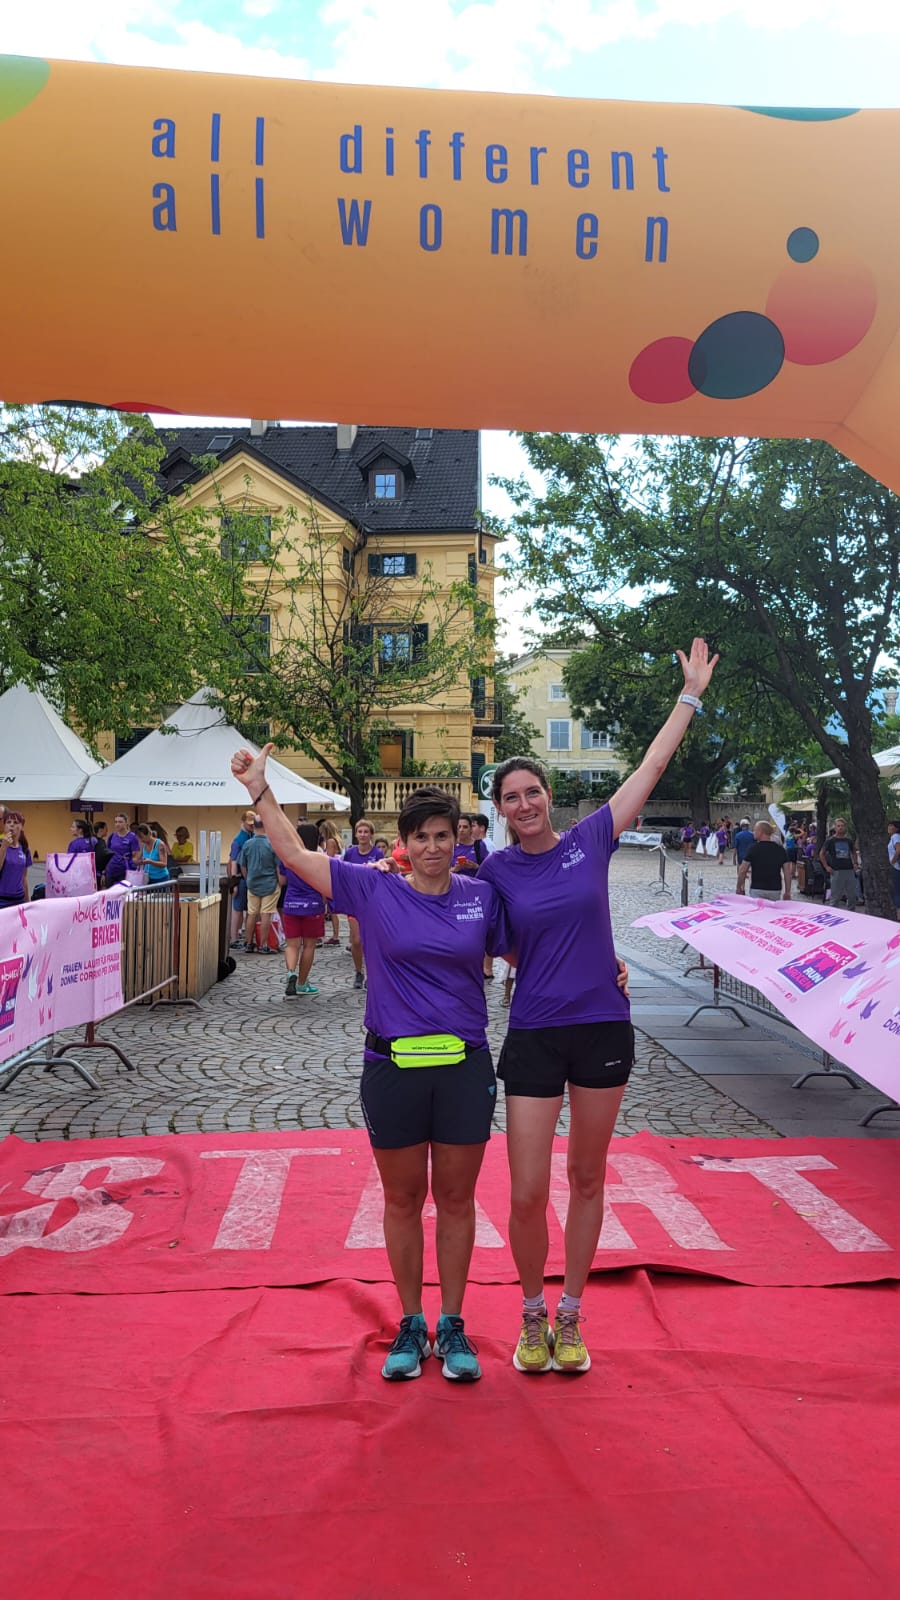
{"points": [[12, 873], [424, 952], [121, 846], [355, 859], [79, 845], [300, 900], [558, 907]]}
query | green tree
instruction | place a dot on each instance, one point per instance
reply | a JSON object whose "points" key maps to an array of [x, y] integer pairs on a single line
{"points": [[785, 555], [94, 611]]}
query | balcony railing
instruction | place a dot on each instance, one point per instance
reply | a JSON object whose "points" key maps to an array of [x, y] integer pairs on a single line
{"points": [[488, 715], [385, 795]]}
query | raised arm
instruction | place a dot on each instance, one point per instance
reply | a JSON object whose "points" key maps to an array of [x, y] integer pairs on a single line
{"points": [[310, 865], [628, 801]]}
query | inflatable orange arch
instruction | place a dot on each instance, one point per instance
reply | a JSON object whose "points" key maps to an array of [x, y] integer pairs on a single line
{"points": [[246, 246]]}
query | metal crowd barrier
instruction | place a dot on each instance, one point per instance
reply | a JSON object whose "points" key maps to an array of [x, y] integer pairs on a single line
{"points": [[659, 884], [151, 953], [743, 994]]}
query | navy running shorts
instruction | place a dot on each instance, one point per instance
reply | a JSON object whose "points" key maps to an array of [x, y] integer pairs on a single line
{"points": [[420, 1105], [592, 1055]]}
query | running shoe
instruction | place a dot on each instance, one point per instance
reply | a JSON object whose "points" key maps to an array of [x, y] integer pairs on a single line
{"points": [[359, 981], [534, 1351], [249, 949], [408, 1351], [307, 988], [458, 1352], [290, 988], [570, 1352]]}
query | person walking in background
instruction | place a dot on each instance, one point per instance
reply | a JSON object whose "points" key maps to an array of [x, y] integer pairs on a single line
{"points": [[480, 826], [721, 842], [743, 839], [766, 865], [15, 859], [687, 839], [259, 864], [362, 853], [239, 899], [124, 850], [840, 859], [303, 916], [330, 842]]}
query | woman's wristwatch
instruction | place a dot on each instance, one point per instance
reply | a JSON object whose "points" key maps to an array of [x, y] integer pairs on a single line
{"points": [[690, 700]]}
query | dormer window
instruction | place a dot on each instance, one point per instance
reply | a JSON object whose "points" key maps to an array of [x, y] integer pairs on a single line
{"points": [[384, 484]]}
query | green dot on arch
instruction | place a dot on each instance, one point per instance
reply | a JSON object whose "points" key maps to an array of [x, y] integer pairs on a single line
{"points": [[21, 80]]}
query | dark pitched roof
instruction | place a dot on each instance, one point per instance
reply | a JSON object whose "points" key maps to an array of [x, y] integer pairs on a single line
{"points": [[441, 493]]}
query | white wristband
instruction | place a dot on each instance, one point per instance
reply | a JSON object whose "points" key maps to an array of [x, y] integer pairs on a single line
{"points": [[690, 700]]}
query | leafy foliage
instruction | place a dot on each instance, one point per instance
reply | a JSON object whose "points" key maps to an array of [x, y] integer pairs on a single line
{"points": [[785, 556]]}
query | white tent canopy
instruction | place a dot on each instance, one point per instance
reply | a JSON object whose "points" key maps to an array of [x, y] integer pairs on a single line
{"points": [[40, 758], [887, 760], [187, 762]]}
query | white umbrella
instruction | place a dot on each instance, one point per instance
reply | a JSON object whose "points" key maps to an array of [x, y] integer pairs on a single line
{"points": [[887, 760], [187, 761], [40, 758]]}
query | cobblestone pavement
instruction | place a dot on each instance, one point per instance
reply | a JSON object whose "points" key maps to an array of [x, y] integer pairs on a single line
{"points": [[247, 1059]]}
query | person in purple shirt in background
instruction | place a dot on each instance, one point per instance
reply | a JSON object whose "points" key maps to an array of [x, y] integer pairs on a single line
{"points": [[569, 1022], [424, 1090], [362, 853], [303, 918], [124, 850], [15, 859]]}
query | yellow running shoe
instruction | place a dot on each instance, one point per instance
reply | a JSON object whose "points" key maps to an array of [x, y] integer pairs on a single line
{"points": [[570, 1353], [533, 1351]]}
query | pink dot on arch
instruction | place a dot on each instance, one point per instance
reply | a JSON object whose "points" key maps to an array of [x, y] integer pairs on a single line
{"points": [[823, 310], [659, 372]]}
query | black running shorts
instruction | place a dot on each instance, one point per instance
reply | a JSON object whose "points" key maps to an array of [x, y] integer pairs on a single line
{"points": [[592, 1055], [418, 1105]]}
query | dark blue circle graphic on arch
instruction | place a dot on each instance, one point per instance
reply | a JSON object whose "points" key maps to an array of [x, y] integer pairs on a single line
{"points": [[802, 244], [736, 355]]}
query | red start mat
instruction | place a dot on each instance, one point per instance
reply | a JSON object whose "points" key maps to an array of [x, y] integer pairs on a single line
{"points": [[214, 1211], [737, 1443]]}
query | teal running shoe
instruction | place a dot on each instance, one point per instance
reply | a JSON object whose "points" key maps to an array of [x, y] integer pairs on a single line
{"points": [[409, 1349], [458, 1352], [306, 988]]}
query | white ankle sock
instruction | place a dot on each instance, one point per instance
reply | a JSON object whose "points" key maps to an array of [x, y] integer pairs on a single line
{"points": [[570, 1302], [534, 1302]]}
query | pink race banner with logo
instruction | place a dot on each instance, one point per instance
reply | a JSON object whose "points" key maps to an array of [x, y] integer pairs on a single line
{"points": [[60, 966], [834, 974]]}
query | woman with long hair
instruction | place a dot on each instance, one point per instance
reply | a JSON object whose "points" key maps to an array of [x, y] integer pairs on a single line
{"points": [[15, 859], [569, 1022], [330, 841]]}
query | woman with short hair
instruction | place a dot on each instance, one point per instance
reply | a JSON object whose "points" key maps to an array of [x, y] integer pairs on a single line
{"points": [[425, 1092]]}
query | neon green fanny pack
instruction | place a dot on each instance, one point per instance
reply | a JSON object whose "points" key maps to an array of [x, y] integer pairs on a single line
{"points": [[428, 1050]]}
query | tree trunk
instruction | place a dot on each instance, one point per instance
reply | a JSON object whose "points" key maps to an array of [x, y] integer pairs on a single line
{"points": [[698, 800], [821, 814], [356, 793], [870, 822]]}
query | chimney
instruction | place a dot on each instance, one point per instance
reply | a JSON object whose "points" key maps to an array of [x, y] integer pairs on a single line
{"points": [[258, 428], [346, 433], [890, 702]]}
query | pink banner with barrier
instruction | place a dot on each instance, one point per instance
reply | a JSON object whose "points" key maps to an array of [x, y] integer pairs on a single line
{"points": [[60, 966], [834, 974]]}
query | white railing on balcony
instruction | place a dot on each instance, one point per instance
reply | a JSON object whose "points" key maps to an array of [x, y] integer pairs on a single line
{"points": [[391, 794]]}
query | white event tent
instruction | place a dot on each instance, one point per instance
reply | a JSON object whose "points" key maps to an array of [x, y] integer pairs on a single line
{"points": [[40, 758], [887, 760], [187, 762]]}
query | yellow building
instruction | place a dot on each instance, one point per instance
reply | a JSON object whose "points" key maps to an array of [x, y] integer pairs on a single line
{"points": [[564, 743], [396, 511]]}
